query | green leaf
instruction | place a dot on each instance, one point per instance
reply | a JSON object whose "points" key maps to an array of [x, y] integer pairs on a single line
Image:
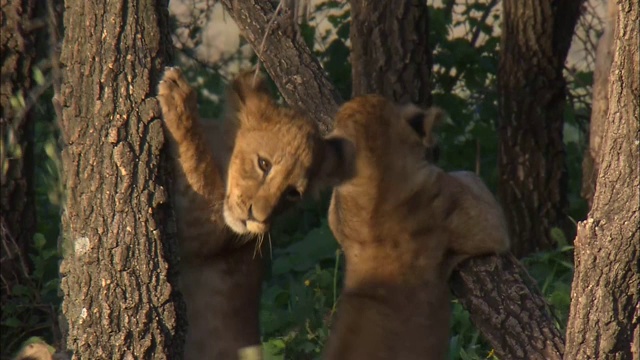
{"points": [[38, 77], [20, 290], [39, 241], [274, 349], [12, 322], [558, 236]]}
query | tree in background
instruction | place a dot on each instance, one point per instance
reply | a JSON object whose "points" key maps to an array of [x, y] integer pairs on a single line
{"points": [[391, 57], [605, 304], [532, 185], [119, 259]]}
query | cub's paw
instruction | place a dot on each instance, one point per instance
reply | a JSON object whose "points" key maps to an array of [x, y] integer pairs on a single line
{"points": [[178, 102]]}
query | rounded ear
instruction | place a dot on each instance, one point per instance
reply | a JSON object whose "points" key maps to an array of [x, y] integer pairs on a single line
{"points": [[245, 88], [337, 163], [423, 122]]}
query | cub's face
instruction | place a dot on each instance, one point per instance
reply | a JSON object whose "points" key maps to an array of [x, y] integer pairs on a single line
{"points": [[269, 170], [278, 157]]}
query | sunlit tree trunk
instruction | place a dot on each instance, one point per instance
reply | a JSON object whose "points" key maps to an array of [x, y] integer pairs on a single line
{"points": [[536, 35], [119, 267], [604, 321], [599, 105]]}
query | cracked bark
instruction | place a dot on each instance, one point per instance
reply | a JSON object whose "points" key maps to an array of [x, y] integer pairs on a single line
{"points": [[513, 299], [604, 319], [119, 267], [532, 177]]}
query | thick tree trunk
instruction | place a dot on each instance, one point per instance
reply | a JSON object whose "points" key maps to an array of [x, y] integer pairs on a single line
{"points": [[287, 58], [604, 321], [599, 105], [510, 279], [17, 211], [390, 52], [119, 267], [536, 35]]}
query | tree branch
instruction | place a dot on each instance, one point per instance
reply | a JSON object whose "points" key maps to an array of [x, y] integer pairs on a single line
{"points": [[290, 63], [504, 303], [507, 308]]}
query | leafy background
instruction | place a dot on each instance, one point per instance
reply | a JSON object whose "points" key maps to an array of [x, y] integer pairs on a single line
{"points": [[305, 269]]}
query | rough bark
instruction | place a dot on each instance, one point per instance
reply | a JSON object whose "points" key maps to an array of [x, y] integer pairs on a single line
{"points": [[510, 276], [119, 266], [532, 176], [507, 308], [300, 78], [390, 52], [17, 210], [604, 320], [599, 105]]}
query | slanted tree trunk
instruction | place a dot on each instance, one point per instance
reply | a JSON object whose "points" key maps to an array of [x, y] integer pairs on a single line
{"points": [[604, 320], [507, 308], [290, 63], [17, 211], [505, 296], [119, 266], [532, 175], [390, 52]]}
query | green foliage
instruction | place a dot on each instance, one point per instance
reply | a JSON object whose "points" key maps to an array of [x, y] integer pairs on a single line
{"points": [[303, 286], [31, 310]]}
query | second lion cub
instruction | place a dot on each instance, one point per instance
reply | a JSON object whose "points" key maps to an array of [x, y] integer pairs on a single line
{"points": [[403, 224]]}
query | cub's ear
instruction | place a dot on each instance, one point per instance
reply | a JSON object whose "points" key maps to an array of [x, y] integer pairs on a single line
{"points": [[337, 163], [423, 122], [246, 88]]}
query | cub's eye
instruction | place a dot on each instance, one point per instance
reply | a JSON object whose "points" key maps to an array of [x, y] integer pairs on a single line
{"points": [[264, 165], [292, 194]]}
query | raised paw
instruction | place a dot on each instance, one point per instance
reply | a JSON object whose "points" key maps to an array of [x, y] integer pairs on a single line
{"points": [[178, 102]]}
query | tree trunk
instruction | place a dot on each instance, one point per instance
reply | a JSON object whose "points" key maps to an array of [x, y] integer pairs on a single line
{"points": [[17, 210], [119, 266], [604, 321], [532, 177], [291, 64], [509, 277], [389, 56], [599, 105]]}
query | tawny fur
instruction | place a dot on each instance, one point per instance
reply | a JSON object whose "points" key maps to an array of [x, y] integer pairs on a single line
{"points": [[403, 224], [224, 201]]}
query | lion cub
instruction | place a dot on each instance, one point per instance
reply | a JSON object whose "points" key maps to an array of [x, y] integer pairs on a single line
{"points": [[229, 180], [403, 224]]}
